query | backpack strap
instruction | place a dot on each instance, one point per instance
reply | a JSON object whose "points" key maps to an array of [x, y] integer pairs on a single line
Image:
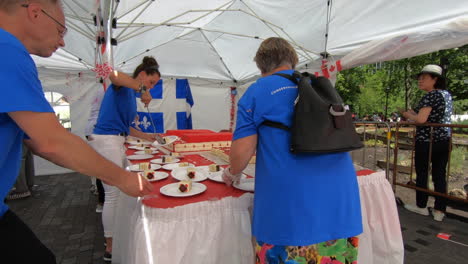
{"points": [[287, 76], [277, 124], [274, 124]]}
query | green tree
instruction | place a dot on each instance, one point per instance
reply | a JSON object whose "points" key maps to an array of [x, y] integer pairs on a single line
{"points": [[363, 92]]}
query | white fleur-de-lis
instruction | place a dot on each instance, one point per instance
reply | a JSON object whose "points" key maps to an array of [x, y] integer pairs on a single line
{"points": [[137, 123], [145, 122]]}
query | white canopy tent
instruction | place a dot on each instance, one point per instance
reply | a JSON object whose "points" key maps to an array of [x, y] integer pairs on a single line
{"points": [[213, 42]]}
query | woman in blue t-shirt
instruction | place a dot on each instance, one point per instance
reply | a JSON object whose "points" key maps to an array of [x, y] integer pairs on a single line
{"points": [[434, 107], [306, 207], [118, 110]]}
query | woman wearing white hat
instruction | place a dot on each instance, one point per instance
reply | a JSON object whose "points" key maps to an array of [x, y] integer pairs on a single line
{"points": [[434, 107]]}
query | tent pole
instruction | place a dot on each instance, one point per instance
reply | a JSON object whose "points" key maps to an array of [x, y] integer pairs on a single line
{"points": [[162, 44], [131, 10], [74, 12], [133, 20], [80, 6], [329, 7], [165, 23], [269, 26], [217, 53], [80, 30]]}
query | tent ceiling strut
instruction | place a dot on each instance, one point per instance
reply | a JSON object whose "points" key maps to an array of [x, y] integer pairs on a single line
{"points": [[149, 2], [166, 22], [217, 53], [74, 12]]}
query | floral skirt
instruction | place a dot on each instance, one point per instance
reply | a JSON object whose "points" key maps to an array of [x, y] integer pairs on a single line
{"points": [[340, 251]]}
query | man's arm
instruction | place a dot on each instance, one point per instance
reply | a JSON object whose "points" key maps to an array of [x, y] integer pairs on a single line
{"points": [[51, 141]]}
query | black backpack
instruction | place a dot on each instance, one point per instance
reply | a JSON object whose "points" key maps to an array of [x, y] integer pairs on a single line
{"points": [[321, 122]]}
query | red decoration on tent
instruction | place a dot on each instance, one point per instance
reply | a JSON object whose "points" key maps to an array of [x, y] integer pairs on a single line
{"points": [[233, 108], [326, 69], [102, 70], [338, 65]]}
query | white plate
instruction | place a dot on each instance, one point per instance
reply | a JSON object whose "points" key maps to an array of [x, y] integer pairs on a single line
{"points": [[172, 166], [159, 175], [169, 140], [159, 161], [136, 143], [141, 152], [135, 167], [139, 157], [246, 185], [181, 174], [173, 190], [140, 148], [217, 176]]}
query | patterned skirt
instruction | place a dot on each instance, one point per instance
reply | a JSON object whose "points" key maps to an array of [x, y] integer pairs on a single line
{"points": [[340, 251]]}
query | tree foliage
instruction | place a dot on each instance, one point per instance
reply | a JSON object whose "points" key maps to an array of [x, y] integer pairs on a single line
{"points": [[365, 88]]}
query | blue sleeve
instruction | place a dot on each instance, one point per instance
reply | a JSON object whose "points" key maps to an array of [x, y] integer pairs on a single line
{"points": [[21, 88], [245, 123]]}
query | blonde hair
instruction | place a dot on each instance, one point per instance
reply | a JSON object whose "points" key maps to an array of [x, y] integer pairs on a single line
{"points": [[273, 53]]}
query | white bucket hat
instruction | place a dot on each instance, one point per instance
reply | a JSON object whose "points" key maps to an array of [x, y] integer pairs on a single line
{"points": [[431, 68]]}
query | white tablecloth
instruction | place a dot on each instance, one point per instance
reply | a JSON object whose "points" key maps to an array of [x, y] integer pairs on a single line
{"points": [[215, 232], [382, 241], [210, 232]]}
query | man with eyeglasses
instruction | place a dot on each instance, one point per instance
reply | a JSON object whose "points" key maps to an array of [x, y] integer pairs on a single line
{"points": [[38, 27]]}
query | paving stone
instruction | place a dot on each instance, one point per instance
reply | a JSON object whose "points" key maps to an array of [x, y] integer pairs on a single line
{"points": [[422, 242], [69, 261], [87, 247], [422, 232], [410, 248]]}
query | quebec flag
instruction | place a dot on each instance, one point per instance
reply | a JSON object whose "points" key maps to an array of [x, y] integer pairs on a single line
{"points": [[169, 109]]}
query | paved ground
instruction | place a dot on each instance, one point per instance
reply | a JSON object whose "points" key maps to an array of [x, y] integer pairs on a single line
{"points": [[62, 213]]}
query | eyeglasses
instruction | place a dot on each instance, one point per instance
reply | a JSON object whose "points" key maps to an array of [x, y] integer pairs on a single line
{"points": [[65, 29]]}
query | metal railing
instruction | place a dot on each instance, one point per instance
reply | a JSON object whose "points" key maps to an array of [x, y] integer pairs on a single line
{"points": [[391, 133], [411, 184], [370, 130]]}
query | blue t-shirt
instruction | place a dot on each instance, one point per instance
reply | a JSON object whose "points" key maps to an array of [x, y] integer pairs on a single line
{"points": [[299, 199], [118, 111], [21, 91]]}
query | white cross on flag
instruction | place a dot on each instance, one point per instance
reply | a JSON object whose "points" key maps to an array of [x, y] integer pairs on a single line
{"points": [[169, 109]]}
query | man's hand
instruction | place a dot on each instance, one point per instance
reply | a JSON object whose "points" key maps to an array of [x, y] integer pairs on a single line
{"points": [[146, 98], [135, 185], [230, 178]]}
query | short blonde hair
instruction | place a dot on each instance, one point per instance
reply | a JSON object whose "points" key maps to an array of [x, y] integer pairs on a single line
{"points": [[273, 53]]}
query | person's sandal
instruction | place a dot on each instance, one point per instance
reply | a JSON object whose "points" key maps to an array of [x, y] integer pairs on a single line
{"points": [[18, 195]]}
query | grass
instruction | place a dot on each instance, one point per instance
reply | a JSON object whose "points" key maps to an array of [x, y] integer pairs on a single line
{"points": [[457, 159], [373, 142]]}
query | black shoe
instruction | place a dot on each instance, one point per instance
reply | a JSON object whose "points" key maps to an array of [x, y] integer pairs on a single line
{"points": [[107, 256]]}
